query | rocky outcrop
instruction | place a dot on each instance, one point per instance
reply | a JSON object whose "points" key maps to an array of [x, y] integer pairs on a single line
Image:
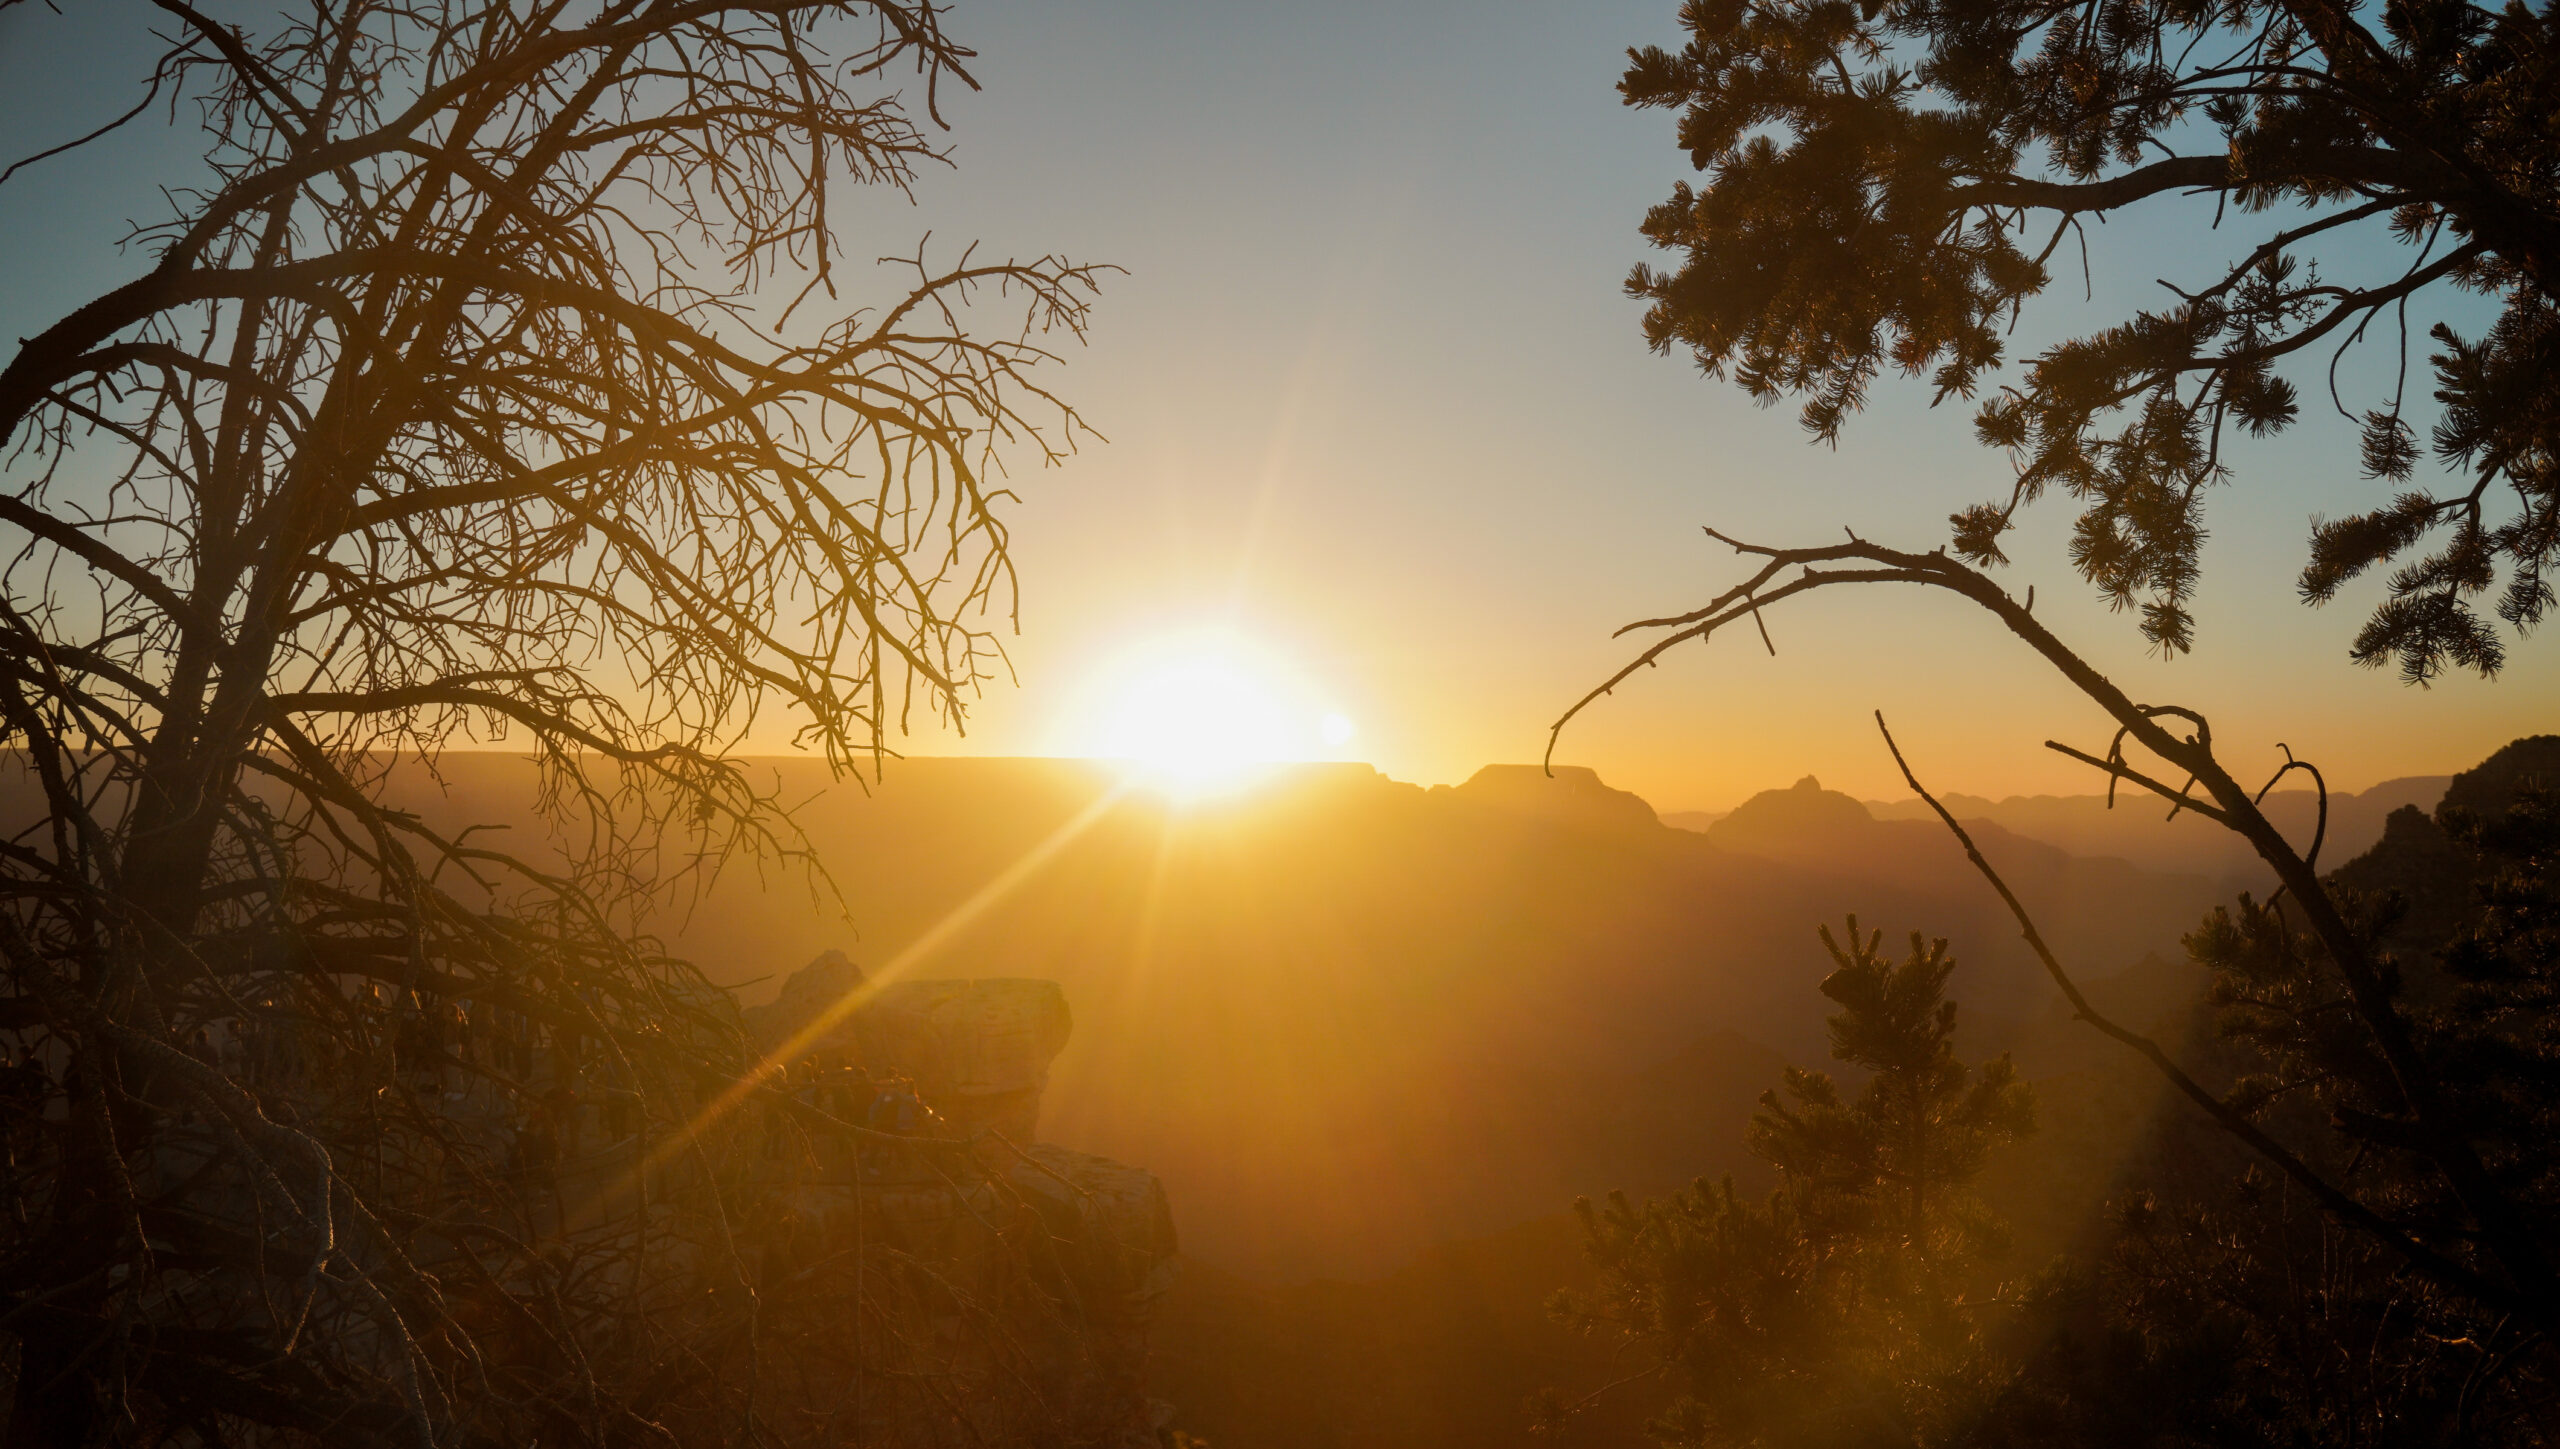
{"points": [[939, 1082], [805, 995], [979, 1051]]}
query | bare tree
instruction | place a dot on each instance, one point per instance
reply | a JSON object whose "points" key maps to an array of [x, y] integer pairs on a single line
{"points": [[493, 384]]}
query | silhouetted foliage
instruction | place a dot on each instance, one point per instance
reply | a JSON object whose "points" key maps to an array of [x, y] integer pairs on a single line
{"points": [[2488, 1245], [2364, 1253], [2254, 1318], [2219, 1303], [1888, 182], [1852, 1306], [449, 405]]}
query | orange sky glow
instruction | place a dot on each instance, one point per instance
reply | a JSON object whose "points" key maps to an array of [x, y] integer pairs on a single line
{"points": [[1380, 419]]}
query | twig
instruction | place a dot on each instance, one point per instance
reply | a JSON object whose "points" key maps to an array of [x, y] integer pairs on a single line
{"points": [[2419, 1256]]}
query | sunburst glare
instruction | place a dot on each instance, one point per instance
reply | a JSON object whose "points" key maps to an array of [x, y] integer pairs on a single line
{"points": [[1203, 713]]}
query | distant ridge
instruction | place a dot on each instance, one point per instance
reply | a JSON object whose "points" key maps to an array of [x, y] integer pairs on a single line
{"points": [[2138, 829], [1570, 795], [1344, 1017], [1431, 1012]]}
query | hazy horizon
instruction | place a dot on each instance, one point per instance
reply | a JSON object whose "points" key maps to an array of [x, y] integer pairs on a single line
{"points": [[1741, 792]]}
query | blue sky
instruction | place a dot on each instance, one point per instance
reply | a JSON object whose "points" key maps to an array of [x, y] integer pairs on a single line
{"points": [[1375, 400]]}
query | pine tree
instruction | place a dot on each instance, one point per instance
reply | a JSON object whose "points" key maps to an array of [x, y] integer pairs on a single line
{"points": [[1887, 185], [2228, 1308], [1852, 1306]]}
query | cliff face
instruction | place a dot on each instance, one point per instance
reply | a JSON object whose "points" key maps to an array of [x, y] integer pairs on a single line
{"points": [[2421, 864], [1045, 1262]]}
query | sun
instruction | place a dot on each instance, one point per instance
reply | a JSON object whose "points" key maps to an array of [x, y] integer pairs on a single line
{"points": [[1204, 713]]}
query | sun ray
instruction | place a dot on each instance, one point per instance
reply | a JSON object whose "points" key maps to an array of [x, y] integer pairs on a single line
{"points": [[935, 937]]}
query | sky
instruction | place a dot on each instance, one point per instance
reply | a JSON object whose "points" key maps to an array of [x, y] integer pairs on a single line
{"points": [[1380, 416]]}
